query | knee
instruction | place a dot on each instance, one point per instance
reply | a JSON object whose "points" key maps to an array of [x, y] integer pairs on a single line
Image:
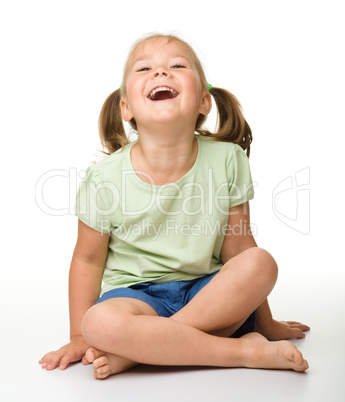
{"points": [[91, 324], [100, 321], [263, 264]]}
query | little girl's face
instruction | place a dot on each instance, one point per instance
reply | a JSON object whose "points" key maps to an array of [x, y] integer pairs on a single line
{"points": [[163, 85]]}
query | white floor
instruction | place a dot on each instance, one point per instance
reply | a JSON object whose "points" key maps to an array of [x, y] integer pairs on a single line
{"points": [[32, 328]]}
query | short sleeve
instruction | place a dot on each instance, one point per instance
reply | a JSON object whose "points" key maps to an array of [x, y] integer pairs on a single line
{"points": [[96, 201], [240, 181]]}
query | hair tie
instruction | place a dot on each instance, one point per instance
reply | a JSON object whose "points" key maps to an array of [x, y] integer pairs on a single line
{"points": [[121, 86]]}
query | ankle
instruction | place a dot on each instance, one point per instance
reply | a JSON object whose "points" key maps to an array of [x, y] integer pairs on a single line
{"points": [[250, 352], [243, 352], [235, 353]]}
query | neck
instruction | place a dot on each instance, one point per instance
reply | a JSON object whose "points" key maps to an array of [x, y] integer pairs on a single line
{"points": [[164, 154]]}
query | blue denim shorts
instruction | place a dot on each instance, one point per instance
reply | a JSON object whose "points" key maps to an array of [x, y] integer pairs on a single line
{"points": [[168, 298]]}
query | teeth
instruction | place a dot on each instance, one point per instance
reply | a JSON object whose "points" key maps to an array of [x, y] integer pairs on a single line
{"points": [[152, 94]]}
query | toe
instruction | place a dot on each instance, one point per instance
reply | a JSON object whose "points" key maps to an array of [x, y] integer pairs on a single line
{"points": [[101, 376], [299, 363], [296, 356], [303, 366], [85, 361], [103, 369], [95, 353], [90, 355], [101, 361]]}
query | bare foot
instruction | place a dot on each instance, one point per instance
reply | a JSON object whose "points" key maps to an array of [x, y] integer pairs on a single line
{"points": [[106, 364], [260, 353]]}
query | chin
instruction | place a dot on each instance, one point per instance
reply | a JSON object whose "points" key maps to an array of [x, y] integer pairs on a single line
{"points": [[165, 116]]}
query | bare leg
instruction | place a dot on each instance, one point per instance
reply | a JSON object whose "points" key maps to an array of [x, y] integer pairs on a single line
{"points": [[233, 294], [162, 341], [237, 290], [106, 364]]}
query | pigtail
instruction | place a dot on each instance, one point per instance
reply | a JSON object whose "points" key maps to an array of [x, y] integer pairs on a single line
{"points": [[111, 130], [232, 126]]}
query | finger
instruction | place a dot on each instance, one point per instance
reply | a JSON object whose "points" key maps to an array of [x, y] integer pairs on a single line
{"points": [[305, 327], [42, 360], [53, 362], [296, 333], [302, 327], [67, 359], [47, 357]]}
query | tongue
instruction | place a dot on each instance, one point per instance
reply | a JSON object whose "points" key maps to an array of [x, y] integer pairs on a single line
{"points": [[162, 95]]}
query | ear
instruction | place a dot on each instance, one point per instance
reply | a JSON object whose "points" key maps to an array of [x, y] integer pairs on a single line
{"points": [[206, 104], [126, 112]]}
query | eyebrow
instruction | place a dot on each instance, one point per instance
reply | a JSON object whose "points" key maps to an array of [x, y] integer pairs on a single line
{"points": [[145, 57]]}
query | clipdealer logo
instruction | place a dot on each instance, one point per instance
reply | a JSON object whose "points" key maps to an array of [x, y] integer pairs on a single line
{"points": [[293, 194]]}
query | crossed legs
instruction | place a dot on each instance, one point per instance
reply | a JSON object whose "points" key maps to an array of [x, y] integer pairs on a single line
{"points": [[123, 331]]}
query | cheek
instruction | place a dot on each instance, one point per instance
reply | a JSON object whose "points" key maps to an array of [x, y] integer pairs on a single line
{"points": [[194, 93], [194, 86], [133, 99], [134, 87]]}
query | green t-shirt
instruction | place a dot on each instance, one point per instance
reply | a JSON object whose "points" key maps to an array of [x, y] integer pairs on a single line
{"points": [[164, 233]]}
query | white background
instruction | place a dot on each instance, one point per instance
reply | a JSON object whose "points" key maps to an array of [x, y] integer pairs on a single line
{"points": [[284, 60]]}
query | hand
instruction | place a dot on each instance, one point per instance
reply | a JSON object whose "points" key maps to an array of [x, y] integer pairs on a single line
{"points": [[279, 330], [72, 352]]}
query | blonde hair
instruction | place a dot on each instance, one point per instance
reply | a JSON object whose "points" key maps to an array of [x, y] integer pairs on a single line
{"points": [[231, 127]]}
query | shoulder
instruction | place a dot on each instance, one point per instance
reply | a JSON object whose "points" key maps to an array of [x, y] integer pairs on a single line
{"points": [[107, 168], [220, 150], [115, 158]]}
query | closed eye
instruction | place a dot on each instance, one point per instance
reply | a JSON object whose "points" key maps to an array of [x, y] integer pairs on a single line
{"points": [[178, 66], [144, 69]]}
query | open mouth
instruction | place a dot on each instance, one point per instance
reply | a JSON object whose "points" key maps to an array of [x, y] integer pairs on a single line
{"points": [[162, 93]]}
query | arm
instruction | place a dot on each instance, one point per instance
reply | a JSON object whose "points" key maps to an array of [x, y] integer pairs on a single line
{"points": [[86, 273], [85, 280], [239, 238]]}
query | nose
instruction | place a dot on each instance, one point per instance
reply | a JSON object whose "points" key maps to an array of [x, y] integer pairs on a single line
{"points": [[160, 71]]}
